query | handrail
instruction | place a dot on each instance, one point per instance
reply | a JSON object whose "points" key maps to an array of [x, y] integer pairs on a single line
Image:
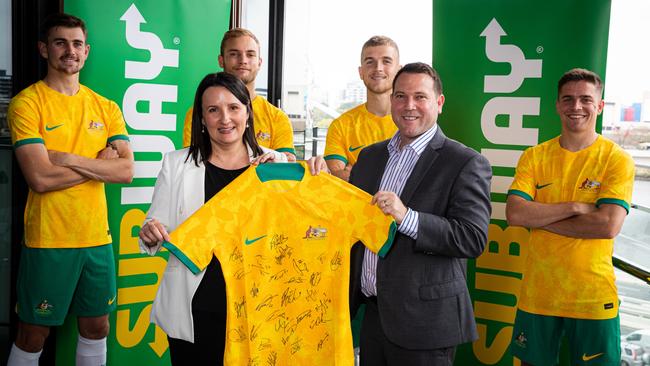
{"points": [[632, 269], [627, 266], [640, 207]]}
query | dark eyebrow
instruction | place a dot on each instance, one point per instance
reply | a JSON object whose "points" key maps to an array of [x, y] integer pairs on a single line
{"points": [[66, 40]]}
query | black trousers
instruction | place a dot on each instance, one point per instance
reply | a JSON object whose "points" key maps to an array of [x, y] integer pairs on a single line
{"points": [[209, 342], [377, 350]]}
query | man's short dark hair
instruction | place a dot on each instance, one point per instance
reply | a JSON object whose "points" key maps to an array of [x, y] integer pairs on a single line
{"points": [[578, 74], [60, 20], [421, 68]]}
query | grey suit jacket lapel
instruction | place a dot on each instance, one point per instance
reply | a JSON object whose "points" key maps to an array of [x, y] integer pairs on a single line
{"points": [[429, 155]]}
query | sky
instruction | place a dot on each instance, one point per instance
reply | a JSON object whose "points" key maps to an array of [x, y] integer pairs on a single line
{"points": [[342, 26], [628, 53]]}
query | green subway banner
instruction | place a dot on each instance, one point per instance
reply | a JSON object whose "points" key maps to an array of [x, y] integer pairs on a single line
{"points": [[500, 61], [148, 56]]}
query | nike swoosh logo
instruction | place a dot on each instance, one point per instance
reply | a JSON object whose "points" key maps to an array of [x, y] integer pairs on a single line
{"points": [[591, 357], [353, 149], [50, 128], [251, 241], [540, 186], [111, 301]]}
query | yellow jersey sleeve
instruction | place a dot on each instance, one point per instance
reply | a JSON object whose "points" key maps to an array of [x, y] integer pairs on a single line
{"points": [[116, 124], [523, 184], [272, 126], [616, 186], [187, 127], [194, 241], [23, 118], [335, 143], [282, 134], [367, 222]]}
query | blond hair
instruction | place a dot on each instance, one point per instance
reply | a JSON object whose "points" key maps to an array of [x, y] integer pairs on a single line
{"points": [[236, 33]]}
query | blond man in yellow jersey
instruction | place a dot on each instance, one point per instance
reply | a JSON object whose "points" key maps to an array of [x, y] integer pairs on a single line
{"points": [[573, 192], [68, 141], [370, 122], [240, 56]]}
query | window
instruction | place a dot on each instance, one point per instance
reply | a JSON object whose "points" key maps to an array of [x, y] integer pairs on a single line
{"points": [[255, 17], [322, 48], [626, 120]]}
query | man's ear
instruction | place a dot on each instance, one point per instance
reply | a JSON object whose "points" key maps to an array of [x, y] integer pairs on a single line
{"points": [[42, 49]]}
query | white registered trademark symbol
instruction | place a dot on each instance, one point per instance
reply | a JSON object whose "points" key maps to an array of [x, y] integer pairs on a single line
{"points": [[540, 49], [177, 40]]}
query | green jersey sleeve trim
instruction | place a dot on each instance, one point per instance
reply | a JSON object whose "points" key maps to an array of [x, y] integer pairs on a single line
{"points": [[389, 242], [118, 137], [614, 201], [181, 257], [34, 140], [286, 171], [287, 149], [336, 157], [521, 194]]}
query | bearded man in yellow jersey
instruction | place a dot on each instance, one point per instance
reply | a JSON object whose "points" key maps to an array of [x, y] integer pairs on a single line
{"points": [[573, 192], [68, 141], [240, 56], [370, 122]]}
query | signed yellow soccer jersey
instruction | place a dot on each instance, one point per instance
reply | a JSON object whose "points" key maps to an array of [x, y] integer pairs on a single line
{"points": [[283, 238], [354, 130], [81, 124], [564, 276], [272, 127]]}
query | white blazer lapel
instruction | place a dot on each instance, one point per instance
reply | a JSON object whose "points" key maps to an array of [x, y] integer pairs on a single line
{"points": [[193, 198]]}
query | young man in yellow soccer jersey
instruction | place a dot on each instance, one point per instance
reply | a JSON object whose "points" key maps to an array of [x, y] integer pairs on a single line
{"points": [[283, 238], [240, 56], [573, 192], [369, 122], [68, 141]]}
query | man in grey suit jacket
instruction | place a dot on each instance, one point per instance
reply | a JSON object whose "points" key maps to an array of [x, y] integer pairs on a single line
{"points": [[438, 191]]}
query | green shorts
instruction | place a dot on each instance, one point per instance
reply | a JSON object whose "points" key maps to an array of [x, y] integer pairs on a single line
{"points": [[53, 282], [536, 339]]}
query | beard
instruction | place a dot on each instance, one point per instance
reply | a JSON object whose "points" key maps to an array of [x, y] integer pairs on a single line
{"points": [[64, 66]]}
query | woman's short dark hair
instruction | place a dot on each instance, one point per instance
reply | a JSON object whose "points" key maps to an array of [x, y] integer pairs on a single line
{"points": [[200, 146]]}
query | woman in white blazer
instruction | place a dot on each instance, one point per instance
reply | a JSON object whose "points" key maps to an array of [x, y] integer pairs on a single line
{"points": [[191, 309]]}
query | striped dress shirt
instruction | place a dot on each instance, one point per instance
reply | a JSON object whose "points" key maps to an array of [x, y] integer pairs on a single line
{"points": [[398, 169]]}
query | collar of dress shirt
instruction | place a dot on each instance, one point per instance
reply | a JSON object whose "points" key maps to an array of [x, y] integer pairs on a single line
{"points": [[416, 145]]}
